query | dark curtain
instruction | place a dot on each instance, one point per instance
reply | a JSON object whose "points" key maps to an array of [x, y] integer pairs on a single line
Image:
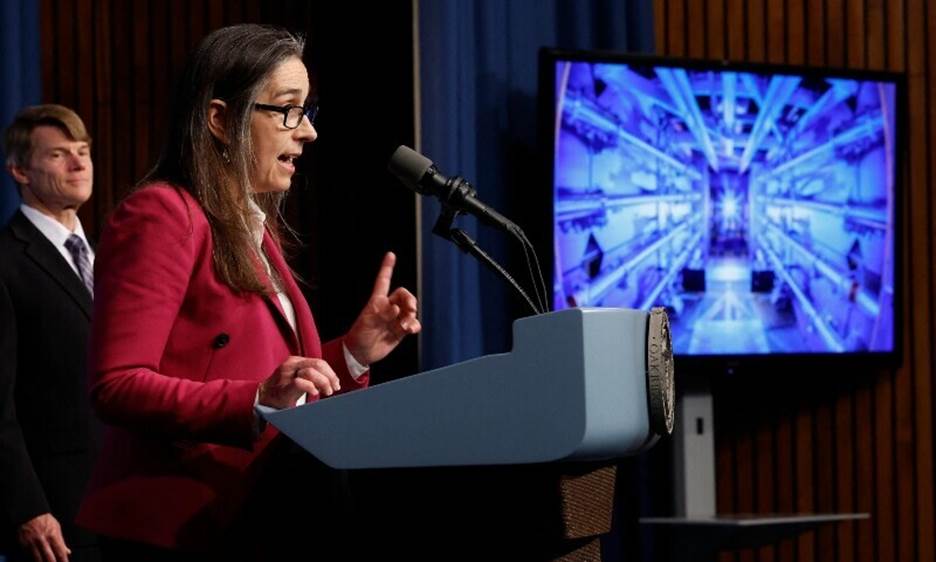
{"points": [[19, 74], [479, 113], [478, 76]]}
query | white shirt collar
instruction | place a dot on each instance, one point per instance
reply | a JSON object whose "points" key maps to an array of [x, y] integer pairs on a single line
{"points": [[256, 222], [52, 229]]}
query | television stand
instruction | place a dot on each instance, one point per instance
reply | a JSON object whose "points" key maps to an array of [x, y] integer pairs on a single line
{"points": [[696, 532], [701, 538]]}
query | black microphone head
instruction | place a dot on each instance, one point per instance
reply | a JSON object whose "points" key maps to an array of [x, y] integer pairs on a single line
{"points": [[409, 167]]}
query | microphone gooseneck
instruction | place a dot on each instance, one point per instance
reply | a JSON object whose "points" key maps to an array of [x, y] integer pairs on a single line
{"points": [[420, 174]]}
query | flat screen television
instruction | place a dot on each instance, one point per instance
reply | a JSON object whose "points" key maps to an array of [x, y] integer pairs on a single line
{"points": [[759, 204]]}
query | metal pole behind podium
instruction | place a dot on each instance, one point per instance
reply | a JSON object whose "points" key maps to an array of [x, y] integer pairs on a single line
{"points": [[695, 532], [694, 449]]}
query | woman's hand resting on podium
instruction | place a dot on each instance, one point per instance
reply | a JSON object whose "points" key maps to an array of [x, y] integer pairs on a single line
{"points": [[385, 321], [295, 377]]}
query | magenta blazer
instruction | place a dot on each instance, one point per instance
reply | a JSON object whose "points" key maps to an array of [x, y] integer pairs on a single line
{"points": [[176, 360]]}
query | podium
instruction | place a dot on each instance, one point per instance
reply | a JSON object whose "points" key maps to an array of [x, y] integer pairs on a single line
{"points": [[579, 389]]}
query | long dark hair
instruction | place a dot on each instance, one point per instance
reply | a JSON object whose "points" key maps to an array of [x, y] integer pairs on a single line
{"points": [[231, 64]]}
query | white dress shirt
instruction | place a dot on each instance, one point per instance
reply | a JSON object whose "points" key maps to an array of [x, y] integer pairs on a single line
{"points": [[256, 226]]}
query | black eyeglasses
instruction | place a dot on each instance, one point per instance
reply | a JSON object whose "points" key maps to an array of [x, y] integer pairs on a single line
{"points": [[292, 114]]}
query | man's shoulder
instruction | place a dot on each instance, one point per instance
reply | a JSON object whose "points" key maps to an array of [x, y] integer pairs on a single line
{"points": [[12, 258], [21, 243], [15, 232]]}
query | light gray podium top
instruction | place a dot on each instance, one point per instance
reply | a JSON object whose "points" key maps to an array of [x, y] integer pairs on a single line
{"points": [[574, 387]]}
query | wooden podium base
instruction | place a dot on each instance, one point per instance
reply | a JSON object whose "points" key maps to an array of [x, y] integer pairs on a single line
{"points": [[547, 513], [303, 509], [586, 499]]}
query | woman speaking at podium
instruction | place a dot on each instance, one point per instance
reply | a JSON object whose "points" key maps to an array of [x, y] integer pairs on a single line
{"points": [[198, 319]]}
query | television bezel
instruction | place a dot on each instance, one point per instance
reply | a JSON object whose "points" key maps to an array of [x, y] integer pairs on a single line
{"points": [[544, 222]]}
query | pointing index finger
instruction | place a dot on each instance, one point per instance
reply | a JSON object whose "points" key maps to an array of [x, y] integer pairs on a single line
{"points": [[382, 284]]}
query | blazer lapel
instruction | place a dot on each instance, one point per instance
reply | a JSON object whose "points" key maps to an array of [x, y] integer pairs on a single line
{"points": [[44, 254], [278, 264]]}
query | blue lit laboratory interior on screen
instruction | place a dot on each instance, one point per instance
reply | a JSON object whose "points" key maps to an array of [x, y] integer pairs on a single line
{"points": [[757, 208]]}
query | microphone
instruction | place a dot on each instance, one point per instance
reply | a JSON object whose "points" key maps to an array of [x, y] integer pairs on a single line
{"points": [[419, 174]]}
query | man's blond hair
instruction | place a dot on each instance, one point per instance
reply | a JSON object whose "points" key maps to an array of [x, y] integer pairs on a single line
{"points": [[17, 142]]}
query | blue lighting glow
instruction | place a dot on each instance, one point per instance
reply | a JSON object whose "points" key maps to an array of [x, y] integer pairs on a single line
{"points": [[729, 207], [756, 207]]}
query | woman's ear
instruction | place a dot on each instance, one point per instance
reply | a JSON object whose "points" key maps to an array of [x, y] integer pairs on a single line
{"points": [[217, 117]]}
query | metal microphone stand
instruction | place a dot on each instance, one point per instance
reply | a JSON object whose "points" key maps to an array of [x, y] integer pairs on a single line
{"points": [[444, 228]]}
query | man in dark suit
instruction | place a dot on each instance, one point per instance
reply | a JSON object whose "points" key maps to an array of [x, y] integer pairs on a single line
{"points": [[47, 443]]}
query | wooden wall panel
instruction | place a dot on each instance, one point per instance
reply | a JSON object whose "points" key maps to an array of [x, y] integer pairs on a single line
{"points": [[737, 29], [784, 483], [864, 467], [695, 12], [796, 31], [855, 32], [843, 484], [816, 35], [876, 42], [836, 40], [756, 35], [776, 31], [714, 30], [861, 442], [923, 388], [920, 248], [677, 24]]}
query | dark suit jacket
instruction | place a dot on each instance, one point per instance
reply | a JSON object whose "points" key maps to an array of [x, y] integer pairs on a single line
{"points": [[46, 436]]}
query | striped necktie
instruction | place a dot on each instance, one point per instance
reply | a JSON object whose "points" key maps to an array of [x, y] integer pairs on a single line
{"points": [[79, 252]]}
